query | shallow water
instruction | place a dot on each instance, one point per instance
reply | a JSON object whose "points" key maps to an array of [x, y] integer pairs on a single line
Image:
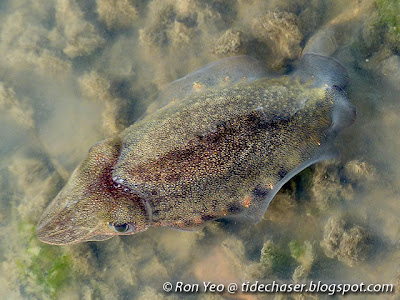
{"points": [[75, 72]]}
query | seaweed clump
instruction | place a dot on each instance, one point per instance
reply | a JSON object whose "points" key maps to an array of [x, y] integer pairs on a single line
{"points": [[276, 259], [97, 89], [334, 184], [177, 31], [329, 189], [280, 32], [25, 42], [389, 18], [351, 245], [303, 254], [231, 42], [283, 261], [73, 33], [20, 111], [43, 271], [380, 39], [118, 14], [311, 13]]}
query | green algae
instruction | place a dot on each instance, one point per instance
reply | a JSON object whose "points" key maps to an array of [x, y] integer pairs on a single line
{"points": [[44, 270], [389, 16], [296, 249], [276, 259]]}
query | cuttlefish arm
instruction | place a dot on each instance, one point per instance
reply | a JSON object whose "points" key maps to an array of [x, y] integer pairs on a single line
{"points": [[92, 207]]}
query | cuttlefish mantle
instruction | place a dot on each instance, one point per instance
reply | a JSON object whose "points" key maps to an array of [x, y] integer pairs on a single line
{"points": [[221, 144]]}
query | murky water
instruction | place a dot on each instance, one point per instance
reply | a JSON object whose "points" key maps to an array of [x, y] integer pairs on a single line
{"points": [[75, 72]]}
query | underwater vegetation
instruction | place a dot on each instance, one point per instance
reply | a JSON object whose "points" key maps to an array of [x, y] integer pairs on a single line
{"points": [[48, 269], [75, 72], [389, 17]]}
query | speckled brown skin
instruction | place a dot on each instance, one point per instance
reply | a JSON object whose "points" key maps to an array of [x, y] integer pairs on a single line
{"points": [[218, 152], [90, 200], [197, 160]]}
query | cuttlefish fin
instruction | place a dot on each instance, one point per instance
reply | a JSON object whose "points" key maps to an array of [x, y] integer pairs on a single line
{"points": [[225, 72], [321, 71]]}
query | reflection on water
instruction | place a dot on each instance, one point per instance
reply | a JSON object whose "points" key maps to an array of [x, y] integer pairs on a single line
{"points": [[75, 72]]}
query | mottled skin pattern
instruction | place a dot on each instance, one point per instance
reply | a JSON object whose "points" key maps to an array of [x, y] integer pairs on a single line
{"points": [[199, 159], [89, 196], [218, 152]]}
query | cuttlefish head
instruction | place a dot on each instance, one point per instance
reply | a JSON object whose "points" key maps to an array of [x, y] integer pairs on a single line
{"points": [[91, 206]]}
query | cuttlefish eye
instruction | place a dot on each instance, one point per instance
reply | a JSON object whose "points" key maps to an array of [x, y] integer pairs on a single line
{"points": [[122, 228]]}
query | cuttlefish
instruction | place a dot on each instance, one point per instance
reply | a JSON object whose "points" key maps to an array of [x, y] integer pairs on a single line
{"points": [[221, 144]]}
